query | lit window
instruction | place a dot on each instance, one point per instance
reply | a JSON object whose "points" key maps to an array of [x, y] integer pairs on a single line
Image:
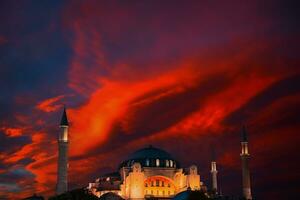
{"points": [[171, 163], [157, 162], [167, 163], [169, 193], [157, 183], [151, 191], [147, 162], [163, 192]]}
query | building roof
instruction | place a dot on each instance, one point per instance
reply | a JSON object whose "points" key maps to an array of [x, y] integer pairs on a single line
{"points": [[183, 195], [149, 154], [64, 118]]}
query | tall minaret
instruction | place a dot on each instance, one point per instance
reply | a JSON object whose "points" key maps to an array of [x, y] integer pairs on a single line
{"points": [[245, 168], [214, 172], [62, 167]]}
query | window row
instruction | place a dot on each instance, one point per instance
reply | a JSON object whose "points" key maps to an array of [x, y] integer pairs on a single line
{"points": [[159, 192], [157, 183], [160, 163]]}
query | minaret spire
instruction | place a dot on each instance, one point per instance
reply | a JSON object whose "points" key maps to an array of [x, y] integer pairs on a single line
{"points": [[214, 172], [244, 134], [64, 119], [245, 167], [62, 166]]}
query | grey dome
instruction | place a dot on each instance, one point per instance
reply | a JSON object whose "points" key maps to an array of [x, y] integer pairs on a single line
{"points": [[150, 152], [147, 158]]}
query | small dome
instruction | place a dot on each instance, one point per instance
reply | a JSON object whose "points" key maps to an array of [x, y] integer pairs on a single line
{"points": [[150, 157]]}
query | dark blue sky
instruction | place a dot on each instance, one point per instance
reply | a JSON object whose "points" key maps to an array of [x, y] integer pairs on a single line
{"points": [[183, 76]]}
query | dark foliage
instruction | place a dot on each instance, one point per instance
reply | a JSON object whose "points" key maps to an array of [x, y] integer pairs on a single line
{"points": [[198, 195], [77, 194]]}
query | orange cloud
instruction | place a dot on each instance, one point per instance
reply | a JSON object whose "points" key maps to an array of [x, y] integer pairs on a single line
{"points": [[114, 99], [38, 150], [50, 105], [92, 122], [13, 132], [167, 67]]}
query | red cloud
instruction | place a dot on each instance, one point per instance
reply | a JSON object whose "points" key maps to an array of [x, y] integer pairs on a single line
{"points": [[50, 105], [13, 132], [167, 80]]}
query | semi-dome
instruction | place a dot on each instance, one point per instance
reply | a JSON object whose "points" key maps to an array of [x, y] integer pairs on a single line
{"points": [[151, 157]]}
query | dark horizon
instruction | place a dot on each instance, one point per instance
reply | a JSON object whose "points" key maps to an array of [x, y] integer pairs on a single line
{"points": [[181, 76]]}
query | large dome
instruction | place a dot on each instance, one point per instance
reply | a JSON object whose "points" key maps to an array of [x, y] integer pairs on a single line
{"points": [[150, 152], [151, 157]]}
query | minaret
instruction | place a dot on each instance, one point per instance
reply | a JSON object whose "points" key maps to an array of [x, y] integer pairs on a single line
{"points": [[245, 168], [62, 167], [214, 172]]}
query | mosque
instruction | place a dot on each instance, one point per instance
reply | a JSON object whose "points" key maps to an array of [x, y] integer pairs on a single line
{"points": [[148, 173]]}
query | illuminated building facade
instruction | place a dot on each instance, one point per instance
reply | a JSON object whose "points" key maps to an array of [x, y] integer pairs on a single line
{"points": [[148, 172]]}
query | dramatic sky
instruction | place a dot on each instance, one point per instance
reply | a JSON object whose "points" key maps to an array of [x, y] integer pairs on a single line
{"points": [[180, 75]]}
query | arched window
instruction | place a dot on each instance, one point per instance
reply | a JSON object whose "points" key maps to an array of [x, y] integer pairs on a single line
{"points": [[147, 162], [167, 163], [157, 162], [163, 184], [157, 183]]}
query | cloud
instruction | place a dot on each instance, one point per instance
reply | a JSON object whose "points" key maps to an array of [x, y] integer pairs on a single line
{"points": [[50, 105], [183, 78], [287, 86], [13, 132], [11, 144]]}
